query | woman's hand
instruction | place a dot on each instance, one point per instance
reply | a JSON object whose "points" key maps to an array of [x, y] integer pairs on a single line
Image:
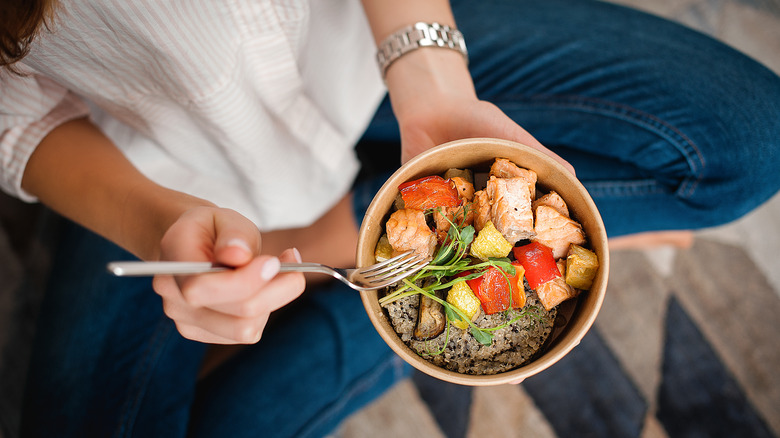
{"points": [[433, 97], [229, 307]]}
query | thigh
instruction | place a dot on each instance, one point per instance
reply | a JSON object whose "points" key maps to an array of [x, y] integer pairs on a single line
{"points": [[319, 360], [106, 361], [654, 117]]}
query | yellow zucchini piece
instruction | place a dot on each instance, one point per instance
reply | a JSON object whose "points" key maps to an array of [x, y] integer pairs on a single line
{"points": [[490, 243], [581, 267], [462, 297], [383, 249]]}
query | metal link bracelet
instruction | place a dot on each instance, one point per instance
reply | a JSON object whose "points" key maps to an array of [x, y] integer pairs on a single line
{"points": [[416, 36]]}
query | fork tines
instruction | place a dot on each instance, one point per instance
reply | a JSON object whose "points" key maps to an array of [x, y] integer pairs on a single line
{"points": [[396, 268]]}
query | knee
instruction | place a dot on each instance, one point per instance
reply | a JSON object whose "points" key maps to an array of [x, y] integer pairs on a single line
{"points": [[737, 178], [740, 142]]}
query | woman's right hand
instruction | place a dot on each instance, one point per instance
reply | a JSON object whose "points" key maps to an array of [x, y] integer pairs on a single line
{"points": [[230, 307]]}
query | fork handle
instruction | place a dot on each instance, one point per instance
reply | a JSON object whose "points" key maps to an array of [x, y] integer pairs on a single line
{"points": [[143, 269]]}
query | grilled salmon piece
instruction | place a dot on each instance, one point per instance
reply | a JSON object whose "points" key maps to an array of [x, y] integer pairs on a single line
{"points": [[503, 168], [510, 207], [481, 209], [556, 291], [556, 231], [554, 200], [464, 187], [407, 229]]}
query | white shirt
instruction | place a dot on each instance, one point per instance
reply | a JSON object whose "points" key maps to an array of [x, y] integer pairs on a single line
{"points": [[254, 105]]}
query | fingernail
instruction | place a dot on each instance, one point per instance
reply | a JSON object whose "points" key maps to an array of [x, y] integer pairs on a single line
{"points": [[270, 268], [297, 255], [239, 243]]}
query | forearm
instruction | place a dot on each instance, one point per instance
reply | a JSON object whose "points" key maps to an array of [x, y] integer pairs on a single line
{"points": [[78, 172], [424, 73], [387, 16]]}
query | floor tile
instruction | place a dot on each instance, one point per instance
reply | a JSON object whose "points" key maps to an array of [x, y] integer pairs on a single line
{"points": [[631, 317], [735, 308], [398, 413], [588, 393], [506, 411], [449, 404], [698, 396]]}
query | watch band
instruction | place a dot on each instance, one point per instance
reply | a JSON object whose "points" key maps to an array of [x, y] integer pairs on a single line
{"points": [[415, 36]]}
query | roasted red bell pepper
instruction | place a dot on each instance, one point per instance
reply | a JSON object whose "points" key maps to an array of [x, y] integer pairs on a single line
{"points": [[493, 289], [538, 261], [429, 192]]}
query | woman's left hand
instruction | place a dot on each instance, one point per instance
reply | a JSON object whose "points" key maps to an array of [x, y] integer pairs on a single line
{"points": [[433, 97]]}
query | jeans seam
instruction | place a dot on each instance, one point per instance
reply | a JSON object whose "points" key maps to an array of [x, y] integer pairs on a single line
{"points": [[682, 143], [139, 383], [625, 189]]}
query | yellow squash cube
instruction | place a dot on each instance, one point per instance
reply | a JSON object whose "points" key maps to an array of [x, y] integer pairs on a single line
{"points": [[490, 243], [461, 296], [383, 249], [581, 267]]}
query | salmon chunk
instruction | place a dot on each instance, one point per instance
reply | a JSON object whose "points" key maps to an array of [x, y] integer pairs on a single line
{"points": [[556, 291], [407, 229], [554, 200], [503, 168], [464, 187], [557, 231], [481, 208], [510, 207]]}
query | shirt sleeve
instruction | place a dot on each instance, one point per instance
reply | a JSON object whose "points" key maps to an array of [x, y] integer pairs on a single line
{"points": [[30, 107]]}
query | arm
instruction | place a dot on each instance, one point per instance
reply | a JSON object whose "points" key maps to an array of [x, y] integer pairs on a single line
{"points": [[78, 172], [431, 89]]}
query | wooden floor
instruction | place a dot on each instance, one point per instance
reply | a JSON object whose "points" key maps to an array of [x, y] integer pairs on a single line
{"points": [[723, 291]]}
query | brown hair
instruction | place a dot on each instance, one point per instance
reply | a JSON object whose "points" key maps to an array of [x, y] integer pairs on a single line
{"points": [[20, 22]]}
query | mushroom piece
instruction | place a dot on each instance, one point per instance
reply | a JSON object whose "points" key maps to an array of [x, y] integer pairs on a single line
{"points": [[430, 319]]}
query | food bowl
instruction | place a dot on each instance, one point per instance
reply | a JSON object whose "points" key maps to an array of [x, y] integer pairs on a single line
{"points": [[576, 316]]}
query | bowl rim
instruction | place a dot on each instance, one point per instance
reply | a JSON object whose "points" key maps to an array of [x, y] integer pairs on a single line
{"points": [[598, 240]]}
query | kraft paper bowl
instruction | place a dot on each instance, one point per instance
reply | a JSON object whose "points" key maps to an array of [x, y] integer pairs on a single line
{"points": [[478, 154]]}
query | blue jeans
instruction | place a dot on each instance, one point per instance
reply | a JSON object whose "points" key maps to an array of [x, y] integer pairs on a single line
{"points": [[666, 127]]}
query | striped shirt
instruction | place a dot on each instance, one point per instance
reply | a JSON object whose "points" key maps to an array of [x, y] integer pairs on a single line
{"points": [[254, 105]]}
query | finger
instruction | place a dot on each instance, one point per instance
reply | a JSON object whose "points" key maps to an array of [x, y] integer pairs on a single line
{"points": [[277, 293], [204, 324], [191, 237], [515, 132], [527, 139], [208, 290], [199, 334], [207, 325], [237, 239]]}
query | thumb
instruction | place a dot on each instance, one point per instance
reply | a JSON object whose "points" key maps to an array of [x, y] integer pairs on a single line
{"points": [[237, 239]]}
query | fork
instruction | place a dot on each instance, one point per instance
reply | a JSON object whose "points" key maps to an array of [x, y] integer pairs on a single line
{"points": [[371, 277]]}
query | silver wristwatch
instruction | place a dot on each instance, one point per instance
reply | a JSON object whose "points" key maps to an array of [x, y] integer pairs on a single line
{"points": [[415, 36]]}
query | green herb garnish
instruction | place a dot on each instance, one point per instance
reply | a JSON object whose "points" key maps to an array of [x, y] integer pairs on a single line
{"points": [[450, 261]]}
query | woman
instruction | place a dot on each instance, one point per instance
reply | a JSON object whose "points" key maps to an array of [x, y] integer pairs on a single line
{"points": [[225, 132]]}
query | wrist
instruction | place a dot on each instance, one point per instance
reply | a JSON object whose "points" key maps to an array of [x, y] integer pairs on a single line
{"points": [[149, 211], [416, 36], [428, 76]]}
